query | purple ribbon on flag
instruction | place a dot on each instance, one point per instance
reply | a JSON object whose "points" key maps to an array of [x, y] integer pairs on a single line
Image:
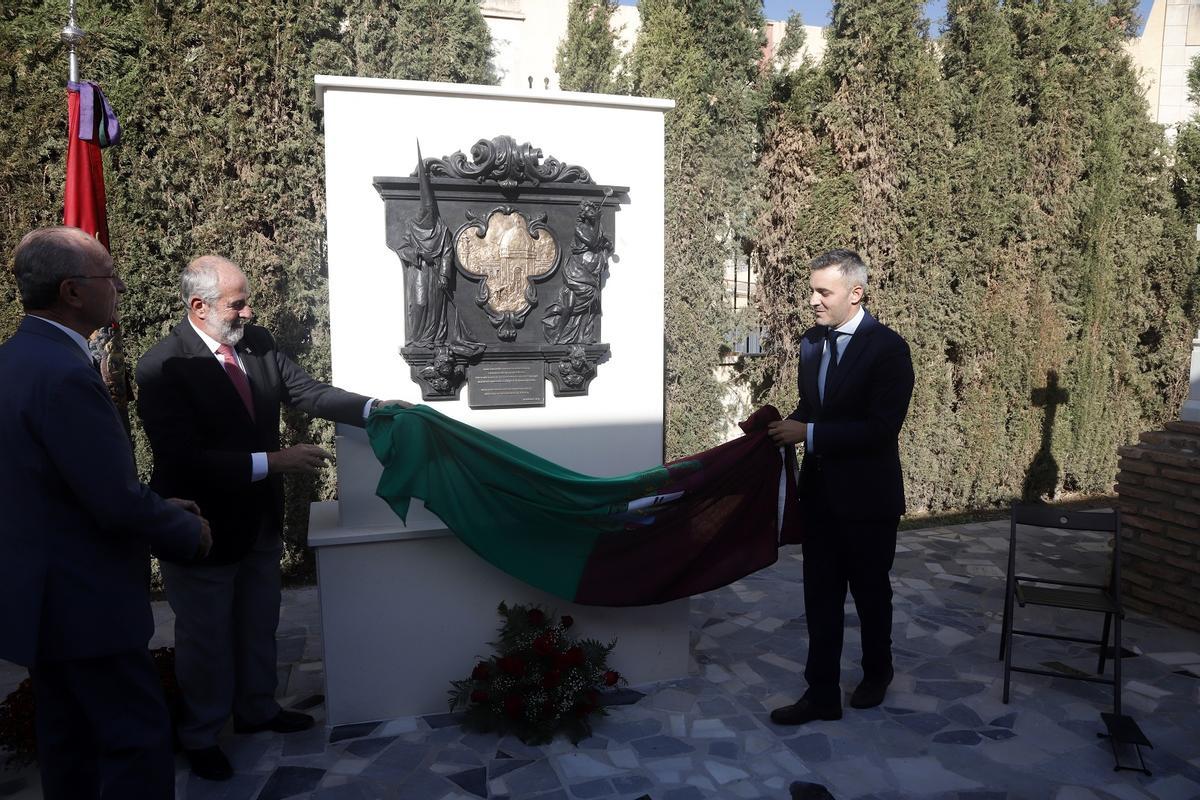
{"points": [[96, 117]]}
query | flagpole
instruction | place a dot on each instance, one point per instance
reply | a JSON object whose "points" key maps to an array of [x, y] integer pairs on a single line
{"points": [[72, 34], [106, 342]]}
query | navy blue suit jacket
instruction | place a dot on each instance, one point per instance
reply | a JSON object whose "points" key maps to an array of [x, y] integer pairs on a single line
{"points": [[202, 435], [76, 526], [857, 428]]}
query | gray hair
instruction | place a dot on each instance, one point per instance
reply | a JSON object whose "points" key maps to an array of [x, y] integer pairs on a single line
{"points": [[44, 259], [849, 265], [202, 278]]}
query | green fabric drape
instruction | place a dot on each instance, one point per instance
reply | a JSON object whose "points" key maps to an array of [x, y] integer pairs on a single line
{"points": [[544, 520]]}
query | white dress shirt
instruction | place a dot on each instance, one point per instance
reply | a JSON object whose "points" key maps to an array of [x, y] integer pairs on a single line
{"points": [[75, 336], [847, 330]]}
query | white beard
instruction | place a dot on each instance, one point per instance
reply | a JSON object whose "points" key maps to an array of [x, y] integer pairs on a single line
{"points": [[230, 333]]}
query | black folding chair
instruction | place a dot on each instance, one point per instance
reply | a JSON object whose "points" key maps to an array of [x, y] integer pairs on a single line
{"points": [[1050, 590]]}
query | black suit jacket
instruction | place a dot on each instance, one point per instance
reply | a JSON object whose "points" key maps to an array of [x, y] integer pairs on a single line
{"points": [[856, 435], [76, 526], [202, 436]]}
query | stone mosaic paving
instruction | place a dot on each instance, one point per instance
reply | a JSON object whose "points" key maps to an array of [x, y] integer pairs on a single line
{"points": [[942, 733]]}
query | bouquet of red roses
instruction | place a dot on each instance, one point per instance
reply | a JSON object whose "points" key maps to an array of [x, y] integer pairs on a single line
{"points": [[540, 682]]}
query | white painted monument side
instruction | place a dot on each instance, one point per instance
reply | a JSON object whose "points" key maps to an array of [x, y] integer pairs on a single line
{"points": [[1191, 406], [406, 608]]}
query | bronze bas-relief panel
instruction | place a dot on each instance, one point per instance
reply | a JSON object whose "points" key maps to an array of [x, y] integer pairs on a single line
{"points": [[507, 256]]}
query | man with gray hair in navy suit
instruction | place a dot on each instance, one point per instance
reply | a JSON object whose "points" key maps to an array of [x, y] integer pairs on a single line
{"points": [[856, 379], [76, 536]]}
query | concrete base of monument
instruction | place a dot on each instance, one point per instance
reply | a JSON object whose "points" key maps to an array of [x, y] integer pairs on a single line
{"points": [[405, 609]]}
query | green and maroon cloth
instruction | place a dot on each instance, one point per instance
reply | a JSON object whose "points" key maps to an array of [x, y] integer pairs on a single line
{"points": [[647, 537]]}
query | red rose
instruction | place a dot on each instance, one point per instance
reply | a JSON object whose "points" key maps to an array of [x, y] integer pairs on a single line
{"points": [[611, 677], [551, 679], [479, 696], [567, 621], [575, 656], [582, 711], [513, 665], [562, 660], [591, 698], [482, 671], [536, 617], [513, 705], [543, 645]]}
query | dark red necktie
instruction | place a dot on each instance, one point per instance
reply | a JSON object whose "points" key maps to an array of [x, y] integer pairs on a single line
{"points": [[234, 371]]}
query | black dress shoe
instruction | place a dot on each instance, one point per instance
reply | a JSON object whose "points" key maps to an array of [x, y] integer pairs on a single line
{"points": [[209, 763], [869, 693], [802, 790], [283, 722], [804, 710]]}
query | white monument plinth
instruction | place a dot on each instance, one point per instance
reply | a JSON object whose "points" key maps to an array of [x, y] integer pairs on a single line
{"points": [[1191, 406], [407, 608]]}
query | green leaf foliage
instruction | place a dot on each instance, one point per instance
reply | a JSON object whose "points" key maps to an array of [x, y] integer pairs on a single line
{"points": [[221, 152]]}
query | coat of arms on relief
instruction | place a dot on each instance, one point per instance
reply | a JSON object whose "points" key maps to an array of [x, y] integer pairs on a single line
{"points": [[506, 253]]}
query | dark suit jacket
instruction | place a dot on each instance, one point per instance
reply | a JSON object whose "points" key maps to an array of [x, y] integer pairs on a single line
{"points": [[202, 435], [855, 444], [76, 527]]}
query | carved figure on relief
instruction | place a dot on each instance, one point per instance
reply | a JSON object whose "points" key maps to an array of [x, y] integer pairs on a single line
{"points": [[572, 320], [427, 253]]}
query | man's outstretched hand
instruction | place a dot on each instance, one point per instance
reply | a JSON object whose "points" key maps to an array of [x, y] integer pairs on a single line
{"points": [[787, 431], [298, 458]]}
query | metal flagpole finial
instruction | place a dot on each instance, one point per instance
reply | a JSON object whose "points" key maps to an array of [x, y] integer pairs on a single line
{"points": [[72, 34]]}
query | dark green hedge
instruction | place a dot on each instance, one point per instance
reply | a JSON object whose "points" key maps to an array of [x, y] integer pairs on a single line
{"points": [[1015, 204], [221, 152]]}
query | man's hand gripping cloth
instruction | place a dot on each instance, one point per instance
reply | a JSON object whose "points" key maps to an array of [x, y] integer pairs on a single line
{"points": [[648, 537]]}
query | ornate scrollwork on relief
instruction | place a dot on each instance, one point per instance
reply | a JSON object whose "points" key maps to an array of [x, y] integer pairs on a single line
{"points": [[506, 252], [504, 161]]}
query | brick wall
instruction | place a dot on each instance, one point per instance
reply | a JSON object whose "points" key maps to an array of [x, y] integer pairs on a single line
{"points": [[1159, 495]]}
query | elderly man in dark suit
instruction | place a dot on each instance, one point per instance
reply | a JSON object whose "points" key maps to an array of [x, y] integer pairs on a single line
{"points": [[76, 536], [856, 380], [209, 396]]}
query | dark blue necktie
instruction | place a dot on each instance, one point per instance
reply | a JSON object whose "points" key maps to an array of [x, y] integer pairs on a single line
{"points": [[831, 338]]}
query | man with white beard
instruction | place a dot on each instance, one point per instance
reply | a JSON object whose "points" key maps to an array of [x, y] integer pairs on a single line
{"points": [[209, 395]]}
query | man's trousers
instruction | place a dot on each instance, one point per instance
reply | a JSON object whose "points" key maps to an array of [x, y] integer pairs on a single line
{"points": [[841, 555], [225, 621], [102, 729]]}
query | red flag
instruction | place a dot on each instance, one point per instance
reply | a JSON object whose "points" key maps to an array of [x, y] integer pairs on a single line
{"points": [[83, 203]]}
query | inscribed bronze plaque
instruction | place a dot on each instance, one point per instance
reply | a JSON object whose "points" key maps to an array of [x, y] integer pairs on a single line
{"points": [[500, 384], [507, 252]]}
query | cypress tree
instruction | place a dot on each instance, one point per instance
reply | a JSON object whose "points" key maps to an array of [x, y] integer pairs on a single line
{"points": [[990, 355], [427, 40], [806, 207], [1103, 229], [704, 54], [587, 58], [889, 125], [33, 76]]}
